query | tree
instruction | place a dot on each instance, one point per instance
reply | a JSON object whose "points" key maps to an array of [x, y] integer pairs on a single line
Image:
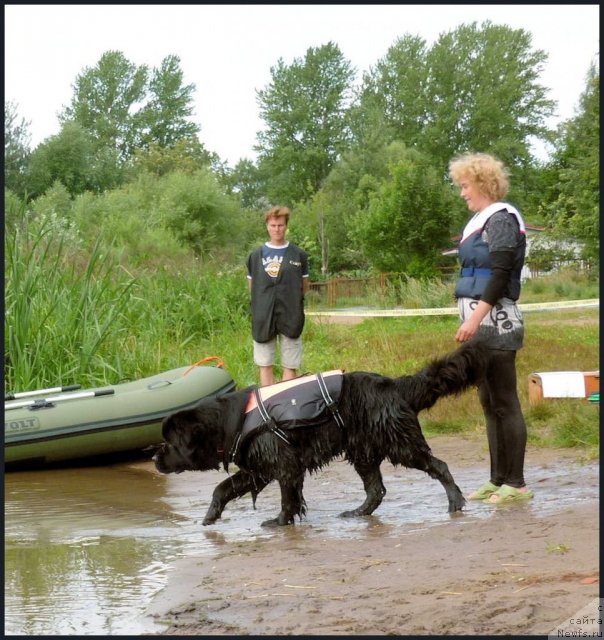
{"points": [[186, 155], [328, 217], [475, 89], [396, 89], [574, 208], [131, 113], [71, 157], [246, 183], [16, 150], [105, 100], [483, 94], [67, 157], [408, 220], [195, 208], [164, 120], [304, 109]]}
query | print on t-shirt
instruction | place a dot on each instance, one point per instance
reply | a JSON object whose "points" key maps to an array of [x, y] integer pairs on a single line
{"points": [[272, 257]]}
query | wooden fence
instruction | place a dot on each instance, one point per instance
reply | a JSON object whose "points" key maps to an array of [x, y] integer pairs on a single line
{"points": [[349, 289]]}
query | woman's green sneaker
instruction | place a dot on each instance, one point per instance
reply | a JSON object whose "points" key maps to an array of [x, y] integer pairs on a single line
{"points": [[486, 491]]}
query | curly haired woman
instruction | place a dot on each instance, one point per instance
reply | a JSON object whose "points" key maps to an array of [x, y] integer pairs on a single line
{"points": [[491, 252]]}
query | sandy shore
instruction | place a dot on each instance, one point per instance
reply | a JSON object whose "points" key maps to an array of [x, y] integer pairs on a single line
{"points": [[522, 569]]}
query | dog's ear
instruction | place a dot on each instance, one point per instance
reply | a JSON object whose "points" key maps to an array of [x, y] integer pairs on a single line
{"points": [[201, 437], [231, 407], [207, 426], [177, 424], [167, 426]]}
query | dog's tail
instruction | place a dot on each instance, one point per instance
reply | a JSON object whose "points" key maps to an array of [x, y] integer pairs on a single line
{"points": [[453, 373]]}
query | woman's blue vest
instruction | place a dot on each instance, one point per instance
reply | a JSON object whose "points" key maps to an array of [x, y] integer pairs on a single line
{"points": [[476, 266]]}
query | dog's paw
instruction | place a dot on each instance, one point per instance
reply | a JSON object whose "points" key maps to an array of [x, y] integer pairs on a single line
{"points": [[213, 513], [210, 518], [279, 521], [273, 522], [352, 514], [455, 508]]}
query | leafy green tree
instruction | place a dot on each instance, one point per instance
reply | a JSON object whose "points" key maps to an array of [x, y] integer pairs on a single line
{"points": [[105, 99], [165, 119], [396, 89], [304, 110], [574, 208], [196, 209], [308, 228], [17, 140], [329, 215], [136, 117], [246, 183], [186, 155], [483, 94], [475, 89], [408, 220], [71, 157], [67, 157]]}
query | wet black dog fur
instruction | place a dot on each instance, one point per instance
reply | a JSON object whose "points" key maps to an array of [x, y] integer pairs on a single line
{"points": [[380, 423]]}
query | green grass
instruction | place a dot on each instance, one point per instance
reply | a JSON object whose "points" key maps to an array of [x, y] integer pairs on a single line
{"points": [[565, 340], [413, 293], [568, 284]]}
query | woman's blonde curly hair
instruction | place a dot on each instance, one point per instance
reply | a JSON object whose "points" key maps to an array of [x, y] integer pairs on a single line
{"points": [[483, 170]]}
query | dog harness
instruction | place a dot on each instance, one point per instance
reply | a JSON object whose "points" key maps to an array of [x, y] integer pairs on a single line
{"points": [[307, 401]]}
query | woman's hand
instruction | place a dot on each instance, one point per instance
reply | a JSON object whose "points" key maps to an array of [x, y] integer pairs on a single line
{"points": [[467, 330]]}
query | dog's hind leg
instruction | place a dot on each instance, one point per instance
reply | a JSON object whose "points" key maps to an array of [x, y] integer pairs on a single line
{"points": [[233, 487], [439, 470], [414, 453], [292, 502], [374, 488]]}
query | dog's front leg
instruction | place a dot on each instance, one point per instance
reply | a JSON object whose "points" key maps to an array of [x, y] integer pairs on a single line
{"points": [[233, 487], [292, 502], [374, 488], [438, 469]]}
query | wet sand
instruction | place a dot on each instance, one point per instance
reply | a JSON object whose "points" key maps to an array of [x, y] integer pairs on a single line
{"points": [[408, 569]]}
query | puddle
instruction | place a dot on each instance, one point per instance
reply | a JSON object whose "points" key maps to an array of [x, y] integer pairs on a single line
{"points": [[86, 550]]}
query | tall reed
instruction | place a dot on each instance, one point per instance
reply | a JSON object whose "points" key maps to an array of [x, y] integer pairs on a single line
{"points": [[61, 305], [78, 316]]}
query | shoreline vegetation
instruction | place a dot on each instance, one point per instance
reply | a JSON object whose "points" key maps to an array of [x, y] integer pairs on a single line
{"points": [[82, 317]]}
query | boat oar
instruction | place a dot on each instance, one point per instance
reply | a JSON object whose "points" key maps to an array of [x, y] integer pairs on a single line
{"points": [[39, 392], [42, 403]]}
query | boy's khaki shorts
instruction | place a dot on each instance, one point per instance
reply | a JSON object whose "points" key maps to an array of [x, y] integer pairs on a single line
{"points": [[291, 352]]}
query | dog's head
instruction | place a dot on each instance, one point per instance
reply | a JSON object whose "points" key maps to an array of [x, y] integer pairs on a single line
{"points": [[192, 440]]}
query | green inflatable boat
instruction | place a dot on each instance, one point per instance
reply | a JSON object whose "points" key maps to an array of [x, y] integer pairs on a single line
{"points": [[105, 424]]}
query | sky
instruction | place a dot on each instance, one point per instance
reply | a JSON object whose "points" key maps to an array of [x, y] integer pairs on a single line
{"points": [[227, 51]]}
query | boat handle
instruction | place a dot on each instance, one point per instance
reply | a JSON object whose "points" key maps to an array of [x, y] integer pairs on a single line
{"points": [[47, 403], [158, 385], [27, 394]]}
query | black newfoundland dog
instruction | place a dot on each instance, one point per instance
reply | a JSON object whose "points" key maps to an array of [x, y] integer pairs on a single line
{"points": [[374, 419]]}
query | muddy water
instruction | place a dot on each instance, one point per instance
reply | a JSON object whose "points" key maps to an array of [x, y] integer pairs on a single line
{"points": [[86, 550]]}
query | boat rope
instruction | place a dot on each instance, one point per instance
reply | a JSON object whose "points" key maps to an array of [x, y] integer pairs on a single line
{"points": [[219, 363]]}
